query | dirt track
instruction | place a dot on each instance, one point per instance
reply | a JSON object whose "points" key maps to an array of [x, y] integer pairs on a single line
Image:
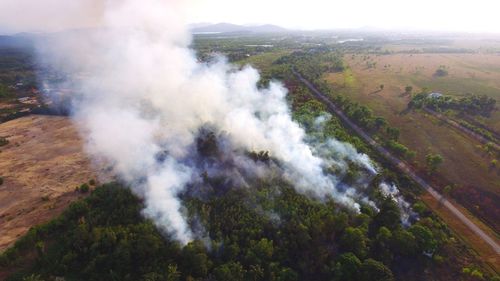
{"points": [[492, 242]]}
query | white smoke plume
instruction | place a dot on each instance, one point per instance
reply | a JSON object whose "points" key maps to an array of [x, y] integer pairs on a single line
{"points": [[142, 93], [392, 191], [332, 148]]}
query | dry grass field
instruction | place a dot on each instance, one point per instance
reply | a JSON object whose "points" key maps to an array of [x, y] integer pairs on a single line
{"points": [[465, 163], [468, 73], [41, 166]]}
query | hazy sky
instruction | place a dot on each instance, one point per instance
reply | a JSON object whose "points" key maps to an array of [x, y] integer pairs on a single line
{"points": [[455, 15], [465, 15]]}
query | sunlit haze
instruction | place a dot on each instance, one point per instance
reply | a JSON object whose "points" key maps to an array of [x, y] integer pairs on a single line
{"points": [[445, 15], [479, 16]]}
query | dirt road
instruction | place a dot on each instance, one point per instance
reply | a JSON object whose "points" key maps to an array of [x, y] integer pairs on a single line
{"points": [[402, 166]]}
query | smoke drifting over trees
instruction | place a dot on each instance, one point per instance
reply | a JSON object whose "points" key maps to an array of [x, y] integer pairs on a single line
{"points": [[143, 99]]}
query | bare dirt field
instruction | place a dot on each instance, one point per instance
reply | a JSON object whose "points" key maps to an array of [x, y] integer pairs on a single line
{"points": [[41, 166]]}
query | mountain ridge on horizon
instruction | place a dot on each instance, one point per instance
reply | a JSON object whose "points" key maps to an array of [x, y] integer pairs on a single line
{"points": [[224, 27]]}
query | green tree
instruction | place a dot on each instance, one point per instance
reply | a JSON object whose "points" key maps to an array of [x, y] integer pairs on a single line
{"points": [[393, 133], [441, 71], [4, 91], [381, 246], [84, 188], [347, 267], [287, 274], [403, 243], [354, 240], [232, 271], [255, 273], [433, 161], [424, 238], [489, 147], [3, 141], [380, 122], [33, 277], [408, 90], [195, 260], [389, 215], [372, 270], [263, 249], [447, 190]]}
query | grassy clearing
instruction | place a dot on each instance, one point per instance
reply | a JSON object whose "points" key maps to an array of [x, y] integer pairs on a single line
{"points": [[263, 61], [468, 73], [457, 85]]}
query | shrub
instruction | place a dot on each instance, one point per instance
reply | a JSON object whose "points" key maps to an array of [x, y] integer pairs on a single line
{"points": [[33, 277], [441, 72], [3, 141], [84, 188], [401, 150], [420, 207], [433, 161]]}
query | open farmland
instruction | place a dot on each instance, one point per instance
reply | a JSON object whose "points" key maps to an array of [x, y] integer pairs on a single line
{"points": [[467, 73], [467, 166]]}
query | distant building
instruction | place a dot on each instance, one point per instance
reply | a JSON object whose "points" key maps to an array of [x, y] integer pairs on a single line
{"points": [[435, 95]]}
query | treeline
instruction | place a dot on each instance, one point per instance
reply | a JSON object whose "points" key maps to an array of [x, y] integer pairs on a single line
{"points": [[306, 110], [313, 66], [314, 63], [376, 125], [16, 64], [478, 130], [286, 237], [470, 103]]}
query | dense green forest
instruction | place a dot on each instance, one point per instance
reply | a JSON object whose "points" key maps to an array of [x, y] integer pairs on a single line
{"points": [[266, 233]]}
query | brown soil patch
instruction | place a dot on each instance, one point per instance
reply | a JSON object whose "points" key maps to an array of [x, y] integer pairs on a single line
{"points": [[41, 166]]}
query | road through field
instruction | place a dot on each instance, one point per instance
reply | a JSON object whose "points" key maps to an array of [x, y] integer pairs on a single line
{"points": [[402, 166]]}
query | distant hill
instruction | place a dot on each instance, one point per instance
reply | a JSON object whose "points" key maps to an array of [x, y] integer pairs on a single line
{"points": [[21, 40], [228, 27]]}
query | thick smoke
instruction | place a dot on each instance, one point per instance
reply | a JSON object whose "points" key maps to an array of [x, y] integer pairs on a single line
{"points": [[391, 190], [142, 100]]}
